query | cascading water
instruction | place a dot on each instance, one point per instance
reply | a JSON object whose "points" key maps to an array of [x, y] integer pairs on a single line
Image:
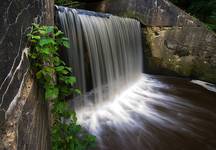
{"points": [[126, 109], [114, 48]]}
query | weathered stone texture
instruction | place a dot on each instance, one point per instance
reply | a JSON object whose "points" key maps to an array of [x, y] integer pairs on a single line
{"points": [[16, 83], [33, 124], [16, 17], [186, 51], [150, 12]]}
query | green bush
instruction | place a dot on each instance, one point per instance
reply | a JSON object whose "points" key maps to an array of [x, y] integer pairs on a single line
{"points": [[205, 10], [55, 79], [68, 3]]}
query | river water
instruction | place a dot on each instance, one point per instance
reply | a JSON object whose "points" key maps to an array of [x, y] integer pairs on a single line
{"points": [[156, 113]]}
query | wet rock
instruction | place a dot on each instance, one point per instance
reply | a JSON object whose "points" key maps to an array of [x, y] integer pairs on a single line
{"points": [[177, 48]]}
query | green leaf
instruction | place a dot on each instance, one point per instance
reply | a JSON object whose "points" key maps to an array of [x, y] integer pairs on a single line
{"points": [[64, 39], [49, 70], [65, 91], [59, 68], [71, 80], [59, 33], [51, 93], [42, 32], [29, 35], [33, 41], [57, 61], [33, 56], [46, 51], [39, 74], [36, 37], [35, 25], [68, 68], [50, 29], [73, 117], [77, 91], [60, 107], [66, 44], [62, 70], [47, 41], [68, 79]]}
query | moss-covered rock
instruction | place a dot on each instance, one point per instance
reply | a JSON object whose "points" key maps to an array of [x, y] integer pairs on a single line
{"points": [[204, 71], [174, 50], [182, 66]]}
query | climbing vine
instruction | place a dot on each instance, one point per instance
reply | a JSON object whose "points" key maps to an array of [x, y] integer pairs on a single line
{"points": [[55, 79]]}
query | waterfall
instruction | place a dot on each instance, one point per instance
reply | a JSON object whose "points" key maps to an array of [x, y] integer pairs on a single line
{"points": [[113, 48], [124, 108]]}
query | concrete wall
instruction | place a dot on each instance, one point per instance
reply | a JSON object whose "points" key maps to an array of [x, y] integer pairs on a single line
{"points": [[24, 122], [177, 43]]}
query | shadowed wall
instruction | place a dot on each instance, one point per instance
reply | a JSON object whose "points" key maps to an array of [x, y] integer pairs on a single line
{"points": [[23, 113]]}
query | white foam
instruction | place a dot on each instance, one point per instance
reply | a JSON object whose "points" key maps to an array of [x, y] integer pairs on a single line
{"points": [[206, 85], [138, 100]]}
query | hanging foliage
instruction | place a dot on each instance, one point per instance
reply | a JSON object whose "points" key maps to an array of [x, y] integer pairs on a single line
{"points": [[56, 81]]}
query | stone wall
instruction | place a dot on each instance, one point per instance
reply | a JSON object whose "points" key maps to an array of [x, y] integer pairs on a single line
{"points": [[177, 43], [186, 51], [23, 114]]}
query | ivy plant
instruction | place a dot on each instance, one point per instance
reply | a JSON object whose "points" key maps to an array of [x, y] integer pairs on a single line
{"points": [[56, 81]]}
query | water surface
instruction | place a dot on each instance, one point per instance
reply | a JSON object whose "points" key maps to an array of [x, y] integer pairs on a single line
{"points": [[156, 113]]}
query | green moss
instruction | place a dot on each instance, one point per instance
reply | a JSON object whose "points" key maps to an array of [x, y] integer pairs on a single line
{"points": [[198, 68], [178, 65], [169, 64], [204, 71]]}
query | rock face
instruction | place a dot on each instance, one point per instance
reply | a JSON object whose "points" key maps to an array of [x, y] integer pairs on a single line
{"points": [[187, 51], [16, 18], [177, 42], [19, 95]]}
